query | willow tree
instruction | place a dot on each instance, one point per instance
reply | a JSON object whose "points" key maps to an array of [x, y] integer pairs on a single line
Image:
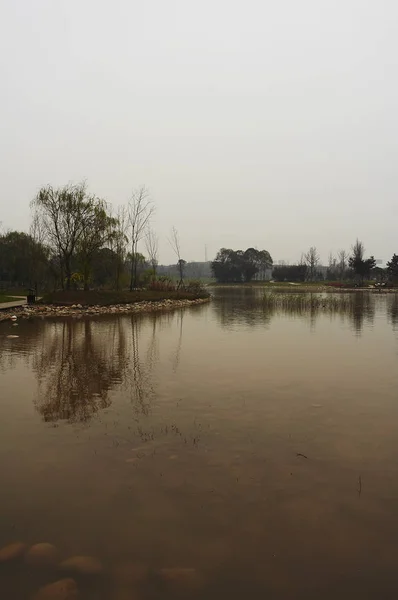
{"points": [[74, 224], [98, 230], [62, 214]]}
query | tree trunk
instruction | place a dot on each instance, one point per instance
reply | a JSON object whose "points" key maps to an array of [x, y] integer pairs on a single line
{"points": [[86, 276], [68, 276], [132, 268]]}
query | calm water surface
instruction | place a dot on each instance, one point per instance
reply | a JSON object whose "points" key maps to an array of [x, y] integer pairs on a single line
{"points": [[260, 449]]}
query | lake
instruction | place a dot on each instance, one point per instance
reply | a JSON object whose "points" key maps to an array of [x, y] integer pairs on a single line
{"points": [[254, 450]]}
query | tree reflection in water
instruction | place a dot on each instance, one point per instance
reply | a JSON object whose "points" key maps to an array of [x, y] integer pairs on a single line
{"points": [[81, 361], [77, 366], [246, 307], [78, 362], [392, 310]]}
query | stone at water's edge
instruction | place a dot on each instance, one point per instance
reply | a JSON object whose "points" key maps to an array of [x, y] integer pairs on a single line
{"points": [[64, 589], [42, 555], [79, 311], [84, 565], [13, 551]]}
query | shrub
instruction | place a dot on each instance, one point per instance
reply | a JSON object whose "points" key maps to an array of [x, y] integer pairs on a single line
{"points": [[196, 287], [162, 284]]}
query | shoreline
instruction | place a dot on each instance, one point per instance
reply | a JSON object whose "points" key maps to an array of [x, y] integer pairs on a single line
{"points": [[29, 311], [305, 289]]}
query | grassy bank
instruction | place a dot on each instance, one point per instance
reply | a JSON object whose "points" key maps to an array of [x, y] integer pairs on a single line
{"points": [[107, 298], [7, 299]]}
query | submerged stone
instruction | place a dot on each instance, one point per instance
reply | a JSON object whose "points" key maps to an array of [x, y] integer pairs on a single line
{"points": [[64, 589], [85, 565], [12, 551], [42, 555]]}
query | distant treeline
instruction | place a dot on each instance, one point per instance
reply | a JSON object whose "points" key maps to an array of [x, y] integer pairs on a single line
{"points": [[76, 240], [234, 266]]}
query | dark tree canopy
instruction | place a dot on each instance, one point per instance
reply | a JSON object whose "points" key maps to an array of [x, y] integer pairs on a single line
{"points": [[361, 266], [295, 273], [23, 260], [392, 267], [234, 266]]}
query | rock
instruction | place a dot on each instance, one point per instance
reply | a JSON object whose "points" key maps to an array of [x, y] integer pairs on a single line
{"points": [[12, 551], [84, 565], [42, 555], [181, 580], [64, 589]]}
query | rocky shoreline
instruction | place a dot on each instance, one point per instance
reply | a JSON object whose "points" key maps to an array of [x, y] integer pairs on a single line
{"points": [[77, 310]]}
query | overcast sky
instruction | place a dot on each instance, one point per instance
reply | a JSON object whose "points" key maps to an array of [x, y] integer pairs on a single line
{"points": [[252, 123]]}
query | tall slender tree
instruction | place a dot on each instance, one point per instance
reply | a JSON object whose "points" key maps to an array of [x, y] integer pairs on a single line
{"points": [[175, 244], [152, 248], [140, 211]]}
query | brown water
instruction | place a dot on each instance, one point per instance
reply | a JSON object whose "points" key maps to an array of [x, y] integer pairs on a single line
{"points": [[260, 449]]}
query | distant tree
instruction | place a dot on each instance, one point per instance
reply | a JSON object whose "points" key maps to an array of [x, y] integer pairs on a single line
{"points": [[294, 273], [311, 259], [332, 273], [175, 244], [152, 248], [342, 263], [140, 212], [360, 266], [226, 266], [264, 263], [118, 244], [392, 268], [23, 260], [237, 266], [379, 274]]}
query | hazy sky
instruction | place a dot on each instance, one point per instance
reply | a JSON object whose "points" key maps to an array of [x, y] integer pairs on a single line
{"points": [[258, 123]]}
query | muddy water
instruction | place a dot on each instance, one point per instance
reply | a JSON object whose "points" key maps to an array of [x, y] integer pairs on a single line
{"points": [[258, 448]]}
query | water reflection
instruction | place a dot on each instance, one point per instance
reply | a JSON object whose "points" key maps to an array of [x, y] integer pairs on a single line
{"points": [[78, 362], [246, 307], [392, 310], [76, 368]]}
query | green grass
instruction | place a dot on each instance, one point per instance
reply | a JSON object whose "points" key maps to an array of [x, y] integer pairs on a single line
{"points": [[7, 299], [106, 298]]}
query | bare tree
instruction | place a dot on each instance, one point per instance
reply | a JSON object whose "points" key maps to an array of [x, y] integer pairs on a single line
{"points": [[119, 242], [343, 261], [39, 250], [174, 242], [152, 248], [311, 259], [140, 211]]}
